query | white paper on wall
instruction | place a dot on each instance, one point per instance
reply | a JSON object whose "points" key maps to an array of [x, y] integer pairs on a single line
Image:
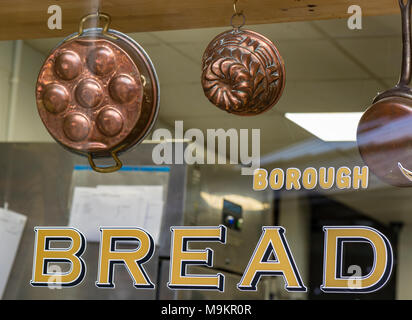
{"points": [[154, 193], [154, 210], [11, 230], [111, 206]]}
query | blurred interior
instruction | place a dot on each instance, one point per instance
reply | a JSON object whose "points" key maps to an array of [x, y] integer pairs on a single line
{"points": [[329, 68]]}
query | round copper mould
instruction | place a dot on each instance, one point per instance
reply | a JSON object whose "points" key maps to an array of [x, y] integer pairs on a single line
{"points": [[243, 72], [98, 94]]}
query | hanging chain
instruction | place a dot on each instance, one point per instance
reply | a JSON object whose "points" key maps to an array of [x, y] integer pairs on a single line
{"points": [[235, 8], [237, 13]]}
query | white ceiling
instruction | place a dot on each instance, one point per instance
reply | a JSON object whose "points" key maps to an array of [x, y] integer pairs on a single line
{"points": [[328, 68]]}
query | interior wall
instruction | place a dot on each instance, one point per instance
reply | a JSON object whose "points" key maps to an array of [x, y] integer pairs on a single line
{"points": [[21, 120], [404, 263], [25, 122], [6, 52], [295, 218]]}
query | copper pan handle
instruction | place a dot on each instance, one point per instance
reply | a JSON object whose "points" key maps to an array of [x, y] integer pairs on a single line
{"points": [[111, 169], [406, 72], [99, 16]]}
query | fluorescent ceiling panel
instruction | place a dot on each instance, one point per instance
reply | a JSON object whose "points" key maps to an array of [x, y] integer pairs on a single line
{"points": [[328, 126]]}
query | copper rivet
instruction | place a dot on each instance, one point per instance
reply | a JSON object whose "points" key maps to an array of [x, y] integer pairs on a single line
{"points": [[55, 98], [89, 93], [76, 127], [68, 65], [101, 61], [109, 122], [123, 88]]}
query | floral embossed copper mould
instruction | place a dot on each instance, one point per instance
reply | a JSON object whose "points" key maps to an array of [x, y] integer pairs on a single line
{"points": [[242, 71], [97, 93]]}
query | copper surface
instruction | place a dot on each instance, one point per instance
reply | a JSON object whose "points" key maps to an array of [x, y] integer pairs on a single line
{"points": [[89, 93], [91, 96], [243, 72], [122, 88], [101, 61], [384, 133], [110, 121], [55, 98], [68, 65]]}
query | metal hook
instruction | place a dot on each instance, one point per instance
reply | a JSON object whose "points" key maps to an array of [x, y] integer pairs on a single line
{"points": [[406, 73], [402, 3], [98, 15], [111, 169], [235, 8], [237, 14], [240, 25]]}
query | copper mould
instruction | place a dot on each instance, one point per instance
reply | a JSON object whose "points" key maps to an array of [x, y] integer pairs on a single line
{"points": [[97, 93], [242, 72], [385, 130]]}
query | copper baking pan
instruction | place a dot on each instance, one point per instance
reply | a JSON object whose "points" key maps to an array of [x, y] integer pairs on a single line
{"points": [[98, 93]]}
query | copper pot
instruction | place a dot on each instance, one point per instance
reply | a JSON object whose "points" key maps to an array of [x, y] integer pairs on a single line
{"points": [[242, 72], [385, 130], [97, 93]]}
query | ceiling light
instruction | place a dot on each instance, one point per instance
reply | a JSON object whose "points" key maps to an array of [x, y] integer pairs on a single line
{"points": [[328, 126]]}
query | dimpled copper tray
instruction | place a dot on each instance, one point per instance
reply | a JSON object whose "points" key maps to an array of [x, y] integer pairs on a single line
{"points": [[97, 94], [243, 72]]}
